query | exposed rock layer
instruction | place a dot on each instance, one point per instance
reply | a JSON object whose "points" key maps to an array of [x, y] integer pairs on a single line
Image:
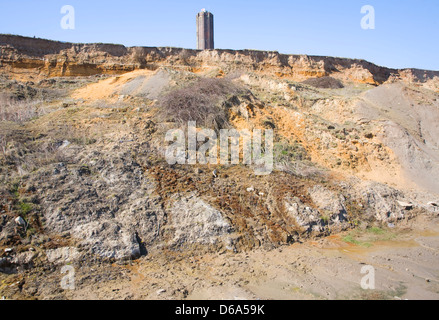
{"points": [[45, 58]]}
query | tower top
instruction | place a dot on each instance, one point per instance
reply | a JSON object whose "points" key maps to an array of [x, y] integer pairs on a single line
{"points": [[203, 10]]}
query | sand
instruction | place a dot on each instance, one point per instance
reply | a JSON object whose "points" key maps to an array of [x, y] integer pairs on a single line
{"points": [[405, 263]]}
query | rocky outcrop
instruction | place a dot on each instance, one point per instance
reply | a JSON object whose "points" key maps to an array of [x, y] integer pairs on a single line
{"points": [[110, 207], [192, 221]]}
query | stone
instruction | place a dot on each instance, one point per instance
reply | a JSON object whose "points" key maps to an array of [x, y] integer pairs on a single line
{"points": [[161, 291], [24, 258], [330, 202], [405, 205], [305, 217], [64, 144], [380, 200], [195, 221], [62, 255], [20, 222]]}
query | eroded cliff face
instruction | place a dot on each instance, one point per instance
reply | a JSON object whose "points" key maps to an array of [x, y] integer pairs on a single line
{"points": [[38, 58], [82, 144]]}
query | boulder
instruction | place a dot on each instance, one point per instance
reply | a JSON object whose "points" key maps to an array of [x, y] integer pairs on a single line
{"points": [[195, 221], [304, 216], [20, 222], [329, 202], [405, 205]]}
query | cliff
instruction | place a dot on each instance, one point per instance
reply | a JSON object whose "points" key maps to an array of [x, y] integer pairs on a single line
{"points": [[39, 58]]}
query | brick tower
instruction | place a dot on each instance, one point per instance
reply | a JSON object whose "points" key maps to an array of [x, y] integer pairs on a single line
{"points": [[205, 30]]}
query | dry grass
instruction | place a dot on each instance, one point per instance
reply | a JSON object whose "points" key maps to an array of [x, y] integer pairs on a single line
{"points": [[19, 111]]}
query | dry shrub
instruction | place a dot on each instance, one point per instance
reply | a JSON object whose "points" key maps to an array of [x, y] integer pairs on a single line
{"points": [[18, 111], [185, 57], [139, 55], [324, 83], [3, 144], [27, 157], [302, 169], [200, 101]]}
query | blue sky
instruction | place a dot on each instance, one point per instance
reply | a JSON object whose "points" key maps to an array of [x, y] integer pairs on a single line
{"points": [[405, 35]]}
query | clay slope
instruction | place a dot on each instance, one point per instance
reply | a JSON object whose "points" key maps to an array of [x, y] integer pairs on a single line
{"points": [[406, 119]]}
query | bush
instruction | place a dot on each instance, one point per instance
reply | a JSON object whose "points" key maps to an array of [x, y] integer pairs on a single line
{"points": [[25, 208], [200, 101]]}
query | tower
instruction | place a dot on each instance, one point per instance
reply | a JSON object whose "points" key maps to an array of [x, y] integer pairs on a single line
{"points": [[205, 30]]}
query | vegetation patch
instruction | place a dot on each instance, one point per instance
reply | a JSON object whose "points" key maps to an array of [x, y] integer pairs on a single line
{"points": [[366, 238], [200, 101]]}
